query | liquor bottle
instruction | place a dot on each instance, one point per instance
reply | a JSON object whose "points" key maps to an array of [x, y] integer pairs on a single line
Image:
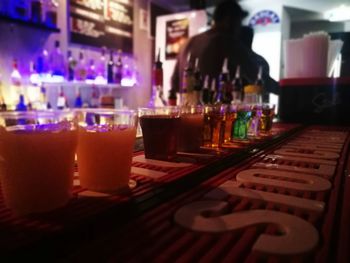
{"points": [[225, 85], [78, 103], [16, 78], [3, 106], [157, 97], [51, 7], [172, 98], [57, 64], [91, 72], [44, 102], [61, 100], [119, 69], [21, 106], [206, 91], [238, 86], [101, 67], [19, 9], [80, 70], [42, 62], [187, 83], [36, 7], [212, 92], [197, 85], [110, 68], [260, 83], [71, 65], [94, 103]]}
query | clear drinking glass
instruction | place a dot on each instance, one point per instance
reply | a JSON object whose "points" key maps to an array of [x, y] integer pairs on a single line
{"points": [[214, 126], [267, 115], [106, 139], [160, 127], [191, 129], [37, 152]]}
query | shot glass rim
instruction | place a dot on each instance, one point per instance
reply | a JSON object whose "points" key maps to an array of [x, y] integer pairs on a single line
{"points": [[34, 114], [174, 109], [106, 111]]}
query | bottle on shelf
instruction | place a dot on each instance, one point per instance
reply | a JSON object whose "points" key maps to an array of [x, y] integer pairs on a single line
{"points": [[91, 71], [44, 102], [50, 8], [237, 85], [19, 9], [197, 85], [225, 85], [260, 83], [206, 91], [21, 106], [187, 83], [71, 65], [101, 67], [36, 8], [118, 76], [212, 92], [16, 78], [3, 106], [57, 64], [80, 70], [172, 98], [157, 97], [42, 62], [110, 68], [78, 103], [95, 98], [61, 100]]}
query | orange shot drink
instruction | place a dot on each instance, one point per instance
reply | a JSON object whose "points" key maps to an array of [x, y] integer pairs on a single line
{"points": [[191, 129], [37, 152], [106, 140]]}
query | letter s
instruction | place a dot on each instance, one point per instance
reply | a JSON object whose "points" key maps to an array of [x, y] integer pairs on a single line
{"points": [[298, 237]]}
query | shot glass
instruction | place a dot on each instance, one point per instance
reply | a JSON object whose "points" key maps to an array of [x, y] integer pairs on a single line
{"points": [[37, 159], [255, 120], [160, 127], [106, 138], [267, 115], [191, 129], [214, 126], [241, 125]]}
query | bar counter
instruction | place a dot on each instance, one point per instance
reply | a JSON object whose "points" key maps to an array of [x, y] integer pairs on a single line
{"points": [[278, 198]]}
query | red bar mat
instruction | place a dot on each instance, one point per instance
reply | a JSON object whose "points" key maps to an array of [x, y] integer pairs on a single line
{"points": [[159, 236], [83, 212]]}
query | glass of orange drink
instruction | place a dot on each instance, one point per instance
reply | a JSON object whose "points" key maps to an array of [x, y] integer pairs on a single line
{"points": [[37, 152], [106, 139]]}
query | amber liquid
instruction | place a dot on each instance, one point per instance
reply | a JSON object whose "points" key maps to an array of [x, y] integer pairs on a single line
{"points": [[190, 132], [37, 169], [214, 129], [160, 134], [229, 122], [104, 158], [265, 123]]}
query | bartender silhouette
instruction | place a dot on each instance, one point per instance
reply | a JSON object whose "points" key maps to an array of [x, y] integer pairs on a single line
{"points": [[220, 42]]}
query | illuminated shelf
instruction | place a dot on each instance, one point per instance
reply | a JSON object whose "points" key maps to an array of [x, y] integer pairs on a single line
{"points": [[83, 85], [28, 23]]}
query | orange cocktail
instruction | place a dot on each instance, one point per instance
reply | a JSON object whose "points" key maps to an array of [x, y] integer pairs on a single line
{"points": [[105, 145], [37, 161]]}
